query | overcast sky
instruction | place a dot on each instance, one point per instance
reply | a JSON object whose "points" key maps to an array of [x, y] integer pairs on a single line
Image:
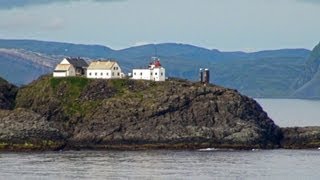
{"points": [[230, 25]]}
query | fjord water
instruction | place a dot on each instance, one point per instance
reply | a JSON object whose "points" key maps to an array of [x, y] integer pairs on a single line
{"points": [[162, 164], [260, 164], [292, 112]]}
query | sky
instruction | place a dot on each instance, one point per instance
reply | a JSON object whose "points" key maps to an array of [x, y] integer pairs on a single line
{"points": [[228, 25]]}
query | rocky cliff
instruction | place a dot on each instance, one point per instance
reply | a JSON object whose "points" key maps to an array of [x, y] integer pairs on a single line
{"points": [[79, 113], [142, 114], [22, 129], [301, 137], [7, 94]]}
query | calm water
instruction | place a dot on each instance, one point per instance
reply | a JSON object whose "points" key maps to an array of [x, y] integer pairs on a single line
{"points": [[222, 164], [263, 164], [292, 112]]}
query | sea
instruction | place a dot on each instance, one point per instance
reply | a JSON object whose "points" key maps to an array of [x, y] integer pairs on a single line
{"points": [[208, 163]]}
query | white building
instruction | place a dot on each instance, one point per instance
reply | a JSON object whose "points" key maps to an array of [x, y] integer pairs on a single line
{"points": [[70, 67], [104, 70], [154, 72]]}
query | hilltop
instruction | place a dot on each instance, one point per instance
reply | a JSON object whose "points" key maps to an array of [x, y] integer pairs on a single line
{"points": [[127, 114], [80, 113], [257, 74]]}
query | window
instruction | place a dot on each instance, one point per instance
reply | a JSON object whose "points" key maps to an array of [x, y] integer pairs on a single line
{"points": [[134, 73], [107, 74], [161, 74], [113, 74], [89, 74], [155, 73], [141, 74], [118, 74], [151, 73], [101, 74], [96, 74]]}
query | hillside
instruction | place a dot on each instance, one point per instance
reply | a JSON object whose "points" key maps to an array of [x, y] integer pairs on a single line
{"points": [[79, 113], [258, 74], [308, 85], [20, 66]]}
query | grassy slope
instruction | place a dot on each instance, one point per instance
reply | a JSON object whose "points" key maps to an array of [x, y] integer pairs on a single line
{"points": [[69, 94]]}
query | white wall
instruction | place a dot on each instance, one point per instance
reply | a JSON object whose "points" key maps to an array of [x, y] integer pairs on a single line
{"points": [[159, 74], [99, 74], [142, 74], [103, 74], [64, 61], [156, 74], [59, 74], [71, 71], [117, 71]]}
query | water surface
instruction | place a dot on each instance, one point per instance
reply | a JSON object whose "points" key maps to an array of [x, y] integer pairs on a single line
{"points": [[260, 164], [292, 112]]}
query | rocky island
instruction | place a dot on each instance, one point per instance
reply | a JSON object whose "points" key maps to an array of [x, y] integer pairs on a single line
{"points": [[79, 113]]}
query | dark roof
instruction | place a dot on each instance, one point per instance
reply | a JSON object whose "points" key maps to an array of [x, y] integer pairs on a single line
{"points": [[78, 62]]}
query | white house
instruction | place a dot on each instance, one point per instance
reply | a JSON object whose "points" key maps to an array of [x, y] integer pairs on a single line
{"points": [[154, 72], [70, 67], [104, 70]]}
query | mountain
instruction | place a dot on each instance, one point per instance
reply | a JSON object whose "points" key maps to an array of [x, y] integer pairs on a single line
{"points": [[258, 74], [57, 48], [20, 66], [308, 85]]}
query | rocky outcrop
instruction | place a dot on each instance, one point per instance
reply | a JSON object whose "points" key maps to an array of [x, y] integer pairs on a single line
{"points": [[301, 137], [79, 113], [22, 129], [7, 94], [142, 114]]}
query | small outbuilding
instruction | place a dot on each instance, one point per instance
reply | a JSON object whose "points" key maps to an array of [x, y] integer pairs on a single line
{"points": [[71, 67], [104, 69]]}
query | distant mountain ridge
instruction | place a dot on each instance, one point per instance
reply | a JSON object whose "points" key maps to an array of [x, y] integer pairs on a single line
{"points": [[308, 85], [271, 73]]}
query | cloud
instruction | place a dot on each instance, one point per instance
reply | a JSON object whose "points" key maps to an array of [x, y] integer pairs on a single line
{"points": [[9, 4]]}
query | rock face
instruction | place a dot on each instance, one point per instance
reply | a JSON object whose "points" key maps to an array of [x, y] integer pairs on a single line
{"points": [[22, 129], [7, 94], [142, 114], [301, 137]]}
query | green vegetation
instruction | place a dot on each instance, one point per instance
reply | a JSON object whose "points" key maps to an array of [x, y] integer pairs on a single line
{"points": [[77, 83], [45, 144], [79, 96]]}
